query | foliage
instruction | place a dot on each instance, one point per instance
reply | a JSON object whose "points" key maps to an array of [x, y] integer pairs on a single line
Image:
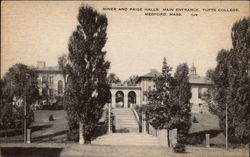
{"points": [[112, 78], [132, 80], [21, 82], [6, 114], [18, 85], [159, 109], [64, 67], [169, 106], [179, 148], [180, 98], [231, 79], [87, 90]]}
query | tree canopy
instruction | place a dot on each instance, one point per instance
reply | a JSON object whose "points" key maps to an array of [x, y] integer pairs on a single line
{"points": [[132, 80], [169, 104], [231, 79], [113, 78], [18, 85]]}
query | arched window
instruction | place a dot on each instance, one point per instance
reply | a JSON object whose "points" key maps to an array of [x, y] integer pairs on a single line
{"points": [[119, 99], [131, 98], [60, 87]]}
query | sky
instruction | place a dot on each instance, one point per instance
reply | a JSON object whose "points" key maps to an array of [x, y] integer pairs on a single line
{"points": [[39, 31]]}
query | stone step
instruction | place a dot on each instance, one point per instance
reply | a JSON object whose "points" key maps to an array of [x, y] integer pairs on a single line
{"points": [[126, 126], [137, 139], [127, 121]]}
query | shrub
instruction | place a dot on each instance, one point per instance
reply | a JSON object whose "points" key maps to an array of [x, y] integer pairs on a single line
{"points": [[194, 120], [179, 148], [122, 130], [73, 135], [112, 120], [51, 118]]}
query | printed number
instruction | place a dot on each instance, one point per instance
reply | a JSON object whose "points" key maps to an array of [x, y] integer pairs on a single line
{"points": [[194, 14]]}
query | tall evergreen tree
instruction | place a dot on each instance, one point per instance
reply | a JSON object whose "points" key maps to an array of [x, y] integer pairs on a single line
{"points": [[180, 98], [87, 90], [169, 105], [231, 79], [159, 109]]}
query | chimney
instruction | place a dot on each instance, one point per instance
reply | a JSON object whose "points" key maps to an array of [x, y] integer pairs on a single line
{"points": [[41, 64]]}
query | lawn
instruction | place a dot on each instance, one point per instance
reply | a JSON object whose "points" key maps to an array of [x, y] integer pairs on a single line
{"points": [[75, 150], [42, 129]]}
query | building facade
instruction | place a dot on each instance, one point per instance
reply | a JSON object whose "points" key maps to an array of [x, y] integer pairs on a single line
{"points": [[199, 86], [51, 82]]}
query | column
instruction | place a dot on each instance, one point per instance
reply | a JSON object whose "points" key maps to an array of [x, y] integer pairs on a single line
{"points": [[144, 130], [28, 135], [138, 100], [174, 137], [125, 100], [109, 119], [113, 99], [208, 140]]}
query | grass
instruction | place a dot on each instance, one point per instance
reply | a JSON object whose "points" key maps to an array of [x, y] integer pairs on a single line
{"points": [[43, 130], [75, 150]]}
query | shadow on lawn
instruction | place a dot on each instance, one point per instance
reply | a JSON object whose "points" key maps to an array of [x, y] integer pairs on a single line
{"points": [[19, 131], [101, 129], [32, 151], [49, 137]]}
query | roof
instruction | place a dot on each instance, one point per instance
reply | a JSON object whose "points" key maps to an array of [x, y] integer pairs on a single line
{"points": [[48, 69], [152, 73], [195, 79], [206, 122]]}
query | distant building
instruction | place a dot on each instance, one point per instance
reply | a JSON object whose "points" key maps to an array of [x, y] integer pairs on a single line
{"points": [[50, 80], [147, 84], [199, 86]]}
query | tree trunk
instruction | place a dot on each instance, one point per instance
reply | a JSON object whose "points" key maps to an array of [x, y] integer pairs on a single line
{"points": [[168, 138], [6, 130], [81, 139]]}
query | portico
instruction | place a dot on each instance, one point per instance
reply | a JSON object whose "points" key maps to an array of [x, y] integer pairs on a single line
{"points": [[125, 96]]}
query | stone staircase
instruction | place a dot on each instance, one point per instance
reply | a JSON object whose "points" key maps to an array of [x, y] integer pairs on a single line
{"points": [[125, 120], [127, 131], [127, 139]]}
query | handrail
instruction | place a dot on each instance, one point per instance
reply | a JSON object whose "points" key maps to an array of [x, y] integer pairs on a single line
{"points": [[136, 115]]}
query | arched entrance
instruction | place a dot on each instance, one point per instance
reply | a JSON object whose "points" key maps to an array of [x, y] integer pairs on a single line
{"points": [[119, 99], [131, 99]]}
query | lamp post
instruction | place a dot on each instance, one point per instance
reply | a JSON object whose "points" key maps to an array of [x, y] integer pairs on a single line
{"points": [[226, 128], [25, 112], [109, 118], [228, 100], [25, 121]]}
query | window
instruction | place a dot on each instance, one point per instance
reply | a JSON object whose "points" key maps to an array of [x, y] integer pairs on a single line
{"points": [[51, 92], [51, 80], [60, 87], [149, 88], [199, 93], [200, 107], [44, 79]]}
